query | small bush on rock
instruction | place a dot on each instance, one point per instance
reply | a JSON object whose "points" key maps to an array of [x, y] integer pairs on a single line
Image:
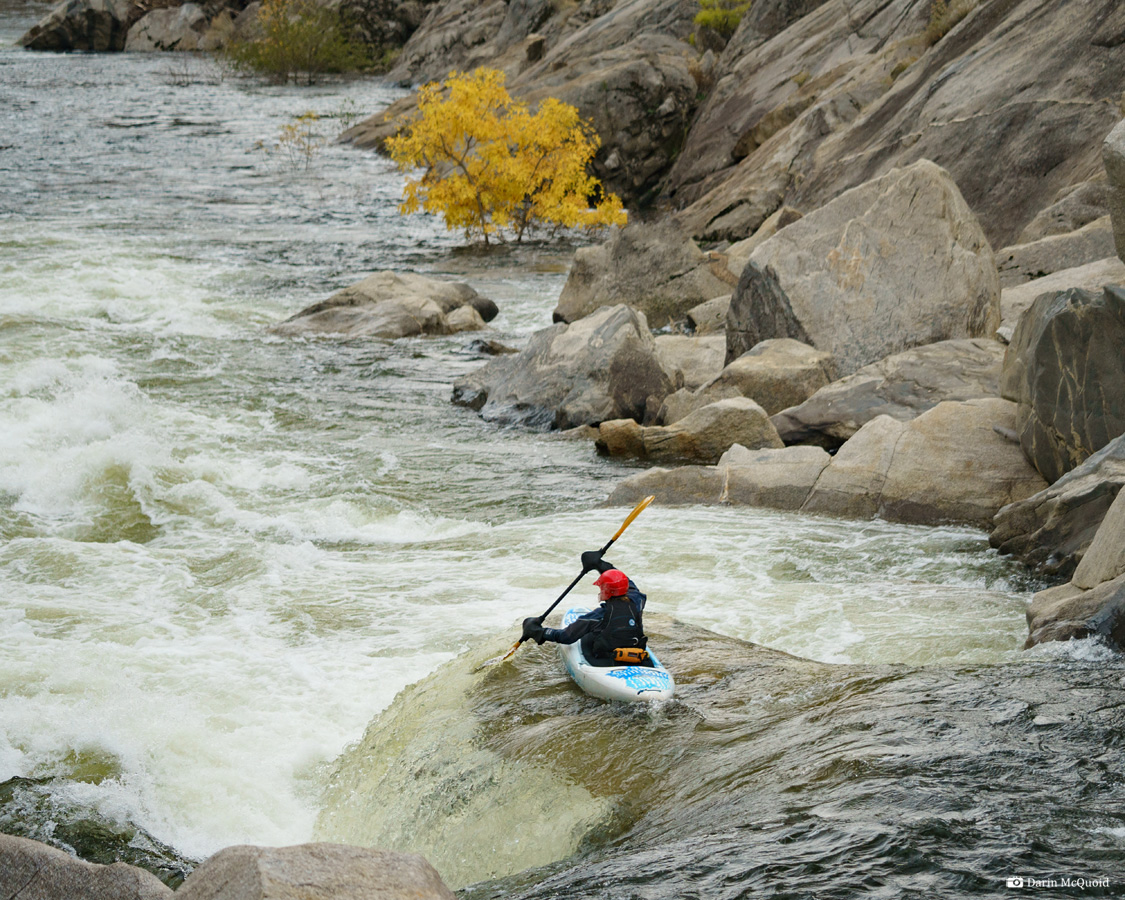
{"points": [[721, 16]]}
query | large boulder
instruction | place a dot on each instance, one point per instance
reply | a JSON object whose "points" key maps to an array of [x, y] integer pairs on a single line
{"points": [[100, 25], [30, 870], [313, 872], [777, 479], [898, 262], [948, 465], [394, 305], [1066, 370], [902, 386], [1024, 262], [703, 436], [1015, 301], [653, 268], [1113, 157], [1052, 530], [777, 374], [173, 28], [602, 367], [1105, 560]]}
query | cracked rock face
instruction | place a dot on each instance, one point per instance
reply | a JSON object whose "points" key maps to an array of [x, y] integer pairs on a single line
{"points": [[896, 263], [1065, 368]]}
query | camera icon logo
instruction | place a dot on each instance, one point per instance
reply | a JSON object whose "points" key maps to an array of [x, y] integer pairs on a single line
{"points": [[1015, 882]]}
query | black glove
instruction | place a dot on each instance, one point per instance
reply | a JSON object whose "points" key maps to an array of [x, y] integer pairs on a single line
{"points": [[533, 630], [592, 562]]}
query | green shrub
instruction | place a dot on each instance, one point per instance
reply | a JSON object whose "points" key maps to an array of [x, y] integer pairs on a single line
{"points": [[299, 38], [721, 16]]}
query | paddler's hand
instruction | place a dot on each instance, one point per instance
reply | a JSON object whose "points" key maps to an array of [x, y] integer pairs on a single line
{"points": [[591, 561], [533, 630]]}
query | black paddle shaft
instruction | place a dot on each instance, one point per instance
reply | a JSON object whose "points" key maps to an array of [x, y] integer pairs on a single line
{"points": [[581, 575]]}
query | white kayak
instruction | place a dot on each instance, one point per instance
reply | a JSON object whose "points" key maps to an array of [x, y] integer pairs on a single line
{"points": [[629, 683]]}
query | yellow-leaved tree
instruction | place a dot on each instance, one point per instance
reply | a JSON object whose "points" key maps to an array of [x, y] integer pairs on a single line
{"points": [[491, 167]]}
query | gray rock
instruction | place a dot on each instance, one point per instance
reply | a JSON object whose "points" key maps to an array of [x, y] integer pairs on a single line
{"points": [[682, 486], [902, 386], [313, 872], [394, 305], [1113, 157], [173, 28], [602, 367], [1065, 369], [1105, 560], [1073, 207], [100, 25], [872, 273], [699, 358], [777, 374], [703, 436], [653, 268], [947, 465], [738, 254], [777, 479], [1052, 530], [30, 870], [1025, 262], [1068, 613], [777, 96], [1011, 103], [1015, 301], [710, 317]]}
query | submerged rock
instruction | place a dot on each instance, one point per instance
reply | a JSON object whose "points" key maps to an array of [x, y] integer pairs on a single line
{"points": [[314, 872], [896, 263], [394, 305], [602, 367]]}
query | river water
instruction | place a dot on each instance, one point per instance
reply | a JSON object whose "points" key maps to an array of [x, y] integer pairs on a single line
{"points": [[244, 580]]}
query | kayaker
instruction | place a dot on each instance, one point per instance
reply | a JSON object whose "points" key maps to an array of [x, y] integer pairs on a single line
{"points": [[611, 635]]}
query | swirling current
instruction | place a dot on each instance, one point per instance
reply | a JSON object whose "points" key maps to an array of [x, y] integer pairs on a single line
{"points": [[245, 581]]}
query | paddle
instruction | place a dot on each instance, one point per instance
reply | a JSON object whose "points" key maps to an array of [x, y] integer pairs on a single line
{"points": [[637, 510]]}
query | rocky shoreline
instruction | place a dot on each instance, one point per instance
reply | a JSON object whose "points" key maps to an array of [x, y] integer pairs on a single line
{"points": [[824, 191]]}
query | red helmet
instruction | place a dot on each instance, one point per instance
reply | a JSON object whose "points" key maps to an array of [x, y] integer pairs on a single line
{"points": [[613, 582]]}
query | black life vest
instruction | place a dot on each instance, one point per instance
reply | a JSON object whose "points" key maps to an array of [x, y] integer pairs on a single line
{"points": [[621, 627]]}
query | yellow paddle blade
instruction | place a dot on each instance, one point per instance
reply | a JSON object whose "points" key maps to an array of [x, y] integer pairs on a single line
{"points": [[640, 508]]}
